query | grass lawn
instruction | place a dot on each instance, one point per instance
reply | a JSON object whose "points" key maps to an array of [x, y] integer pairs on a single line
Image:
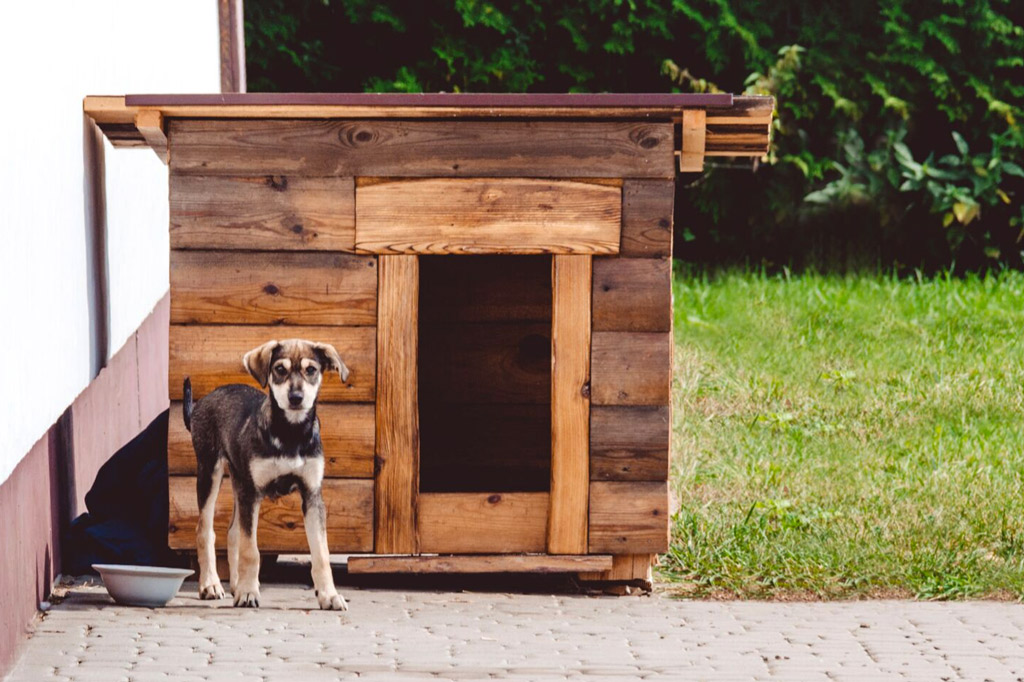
{"points": [[848, 436]]}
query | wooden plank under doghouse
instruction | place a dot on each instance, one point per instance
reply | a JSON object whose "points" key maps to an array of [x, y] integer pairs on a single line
{"points": [[487, 215], [211, 355], [346, 430], [396, 148], [482, 563], [281, 529], [273, 287], [272, 212]]}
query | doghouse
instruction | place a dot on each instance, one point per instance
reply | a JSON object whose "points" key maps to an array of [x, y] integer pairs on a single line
{"points": [[494, 269]]}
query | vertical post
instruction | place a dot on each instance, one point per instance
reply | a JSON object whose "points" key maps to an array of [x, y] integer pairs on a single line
{"points": [[570, 404], [691, 157], [396, 484], [230, 14]]}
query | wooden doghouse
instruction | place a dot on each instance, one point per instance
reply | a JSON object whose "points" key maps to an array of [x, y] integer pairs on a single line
{"points": [[494, 269]]}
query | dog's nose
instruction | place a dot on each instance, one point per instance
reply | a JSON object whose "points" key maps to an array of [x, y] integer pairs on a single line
{"points": [[295, 398]]}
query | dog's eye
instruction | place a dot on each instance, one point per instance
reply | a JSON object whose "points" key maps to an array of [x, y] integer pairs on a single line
{"points": [[311, 370], [280, 370]]}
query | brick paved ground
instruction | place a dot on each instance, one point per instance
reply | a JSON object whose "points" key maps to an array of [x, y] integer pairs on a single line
{"points": [[393, 634]]}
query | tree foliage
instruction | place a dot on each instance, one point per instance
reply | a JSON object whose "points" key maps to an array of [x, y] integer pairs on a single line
{"points": [[898, 133]]}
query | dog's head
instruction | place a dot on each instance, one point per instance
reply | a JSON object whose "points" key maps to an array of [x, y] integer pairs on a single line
{"points": [[294, 370]]}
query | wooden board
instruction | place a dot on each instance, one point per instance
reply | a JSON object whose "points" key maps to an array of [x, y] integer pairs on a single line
{"points": [[694, 127], [481, 563], [570, 404], [633, 294], [647, 207], [235, 287], [481, 215], [402, 148], [485, 289], [346, 430], [629, 443], [628, 517], [625, 567], [270, 212], [631, 368], [212, 356], [482, 523], [469, 363], [349, 517], [398, 436]]}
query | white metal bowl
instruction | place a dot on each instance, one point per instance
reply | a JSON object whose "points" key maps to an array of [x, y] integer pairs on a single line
{"points": [[142, 585]]}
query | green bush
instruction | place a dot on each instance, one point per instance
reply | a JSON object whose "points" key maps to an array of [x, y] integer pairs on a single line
{"points": [[869, 96]]}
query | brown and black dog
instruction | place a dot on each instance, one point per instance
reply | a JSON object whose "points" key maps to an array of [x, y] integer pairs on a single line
{"points": [[270, 445]]}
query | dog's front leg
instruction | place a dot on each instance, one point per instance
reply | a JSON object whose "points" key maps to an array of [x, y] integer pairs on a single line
{"points": [[247, 590], [315, 516]]}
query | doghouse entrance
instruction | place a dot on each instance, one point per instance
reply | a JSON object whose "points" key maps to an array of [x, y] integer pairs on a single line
{"points": [[485, 373]]}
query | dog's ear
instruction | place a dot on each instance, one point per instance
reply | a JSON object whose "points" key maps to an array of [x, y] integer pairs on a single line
{"points": [[330, 360], [257, 362]]}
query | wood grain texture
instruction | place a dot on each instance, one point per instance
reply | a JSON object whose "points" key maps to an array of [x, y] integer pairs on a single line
{"points": [[633, 294], [570, 404], [486, 215], [631, 368], [398, 435], [211, 355], [600, 149], [629, 567], [270, 212], [468, 363], [694, 129], [349, 505], [150, 124], [234, 287], [346, 430], [481, 563], [647, 207], [482, 523], [628, 517], [629, 443]]}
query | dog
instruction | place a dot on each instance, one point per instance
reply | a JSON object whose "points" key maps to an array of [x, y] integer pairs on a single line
{"points": [[270, 445]]}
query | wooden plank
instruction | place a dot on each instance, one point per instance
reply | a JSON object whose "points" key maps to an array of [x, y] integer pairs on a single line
{"points": [[481, 563], [629, 443], [349, 505], [476, 216], [235, 287], [628, 517], [647, 207], [346, 430], [405, 148], [691, 158], [212, 356], [469, 363], [625, 567], [570, 404], [631, 368], [482, 523], [398, 437], [150, 124], [270, 212], [633, 294]]}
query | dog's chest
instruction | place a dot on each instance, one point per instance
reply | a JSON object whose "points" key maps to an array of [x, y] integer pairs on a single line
{"points": [[279, 475]]}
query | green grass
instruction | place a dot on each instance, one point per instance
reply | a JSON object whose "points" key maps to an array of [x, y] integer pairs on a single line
{"points": [[838, 437]]}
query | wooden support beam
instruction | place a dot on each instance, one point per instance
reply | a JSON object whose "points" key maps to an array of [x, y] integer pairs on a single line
{"points": [[481, 563], [691, 156], [625, 567], [150, 123], [398, 430], [570, 404]]}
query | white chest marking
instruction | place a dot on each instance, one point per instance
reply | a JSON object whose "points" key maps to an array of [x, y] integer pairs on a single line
{"points": [[264, 470]]}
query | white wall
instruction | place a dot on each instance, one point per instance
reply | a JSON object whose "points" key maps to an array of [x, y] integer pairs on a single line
{"points": [[53, 54]]}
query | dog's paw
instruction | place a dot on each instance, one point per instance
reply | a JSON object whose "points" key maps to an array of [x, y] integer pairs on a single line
{"points": [[247, 599], [212, 591], [332, 602]]}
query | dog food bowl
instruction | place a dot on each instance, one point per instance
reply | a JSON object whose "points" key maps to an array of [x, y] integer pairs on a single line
{"points": [[142, 585]]}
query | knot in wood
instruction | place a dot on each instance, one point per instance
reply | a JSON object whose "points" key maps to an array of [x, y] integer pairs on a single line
{"points": [[278, 183], [494, 499]]}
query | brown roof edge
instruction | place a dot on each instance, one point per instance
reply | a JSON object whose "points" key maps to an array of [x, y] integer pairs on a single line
{"points": [[484, 100]]}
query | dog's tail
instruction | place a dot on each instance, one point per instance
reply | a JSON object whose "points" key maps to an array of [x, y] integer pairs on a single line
{"points": [[187, 404]]}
